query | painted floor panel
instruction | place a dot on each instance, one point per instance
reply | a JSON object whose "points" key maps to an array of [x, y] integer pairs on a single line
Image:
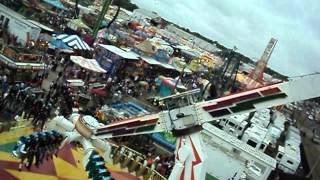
{"points": [[67, 166]]}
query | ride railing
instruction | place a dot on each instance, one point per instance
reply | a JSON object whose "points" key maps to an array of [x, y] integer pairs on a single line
{"points": [[135, 163]]}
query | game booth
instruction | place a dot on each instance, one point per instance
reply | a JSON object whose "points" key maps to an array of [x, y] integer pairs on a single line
{"points": [[21, 64]]}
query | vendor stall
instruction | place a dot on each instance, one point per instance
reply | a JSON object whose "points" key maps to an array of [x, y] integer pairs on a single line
{"points": [[76, 24], [75, 82], [180, 65], [164, 68], [111, 57], [81, 95], [21, 64], [144, 48]]}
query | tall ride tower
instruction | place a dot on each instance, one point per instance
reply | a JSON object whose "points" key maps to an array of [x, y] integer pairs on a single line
{"points": [[255, 78]]}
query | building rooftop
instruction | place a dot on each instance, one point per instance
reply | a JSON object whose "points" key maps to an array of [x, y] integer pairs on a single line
{"points": [[16, 16], [44, 27]]}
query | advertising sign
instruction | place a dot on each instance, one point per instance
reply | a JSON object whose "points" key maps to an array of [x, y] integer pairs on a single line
{"points": [[108, 60]]}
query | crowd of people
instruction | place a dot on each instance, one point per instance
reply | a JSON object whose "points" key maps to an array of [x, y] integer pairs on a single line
{"points": [[37, 147], [18, 98], [21, 100], [60, 96], [3, 84]]}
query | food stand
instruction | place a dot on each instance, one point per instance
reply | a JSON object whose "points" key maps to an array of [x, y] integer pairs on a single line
{"points": [[75, 82], [21, 64], [81, 95], [111, 57]]}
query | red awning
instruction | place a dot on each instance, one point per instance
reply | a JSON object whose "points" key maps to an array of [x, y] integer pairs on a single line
{"points": [[99, 92]]}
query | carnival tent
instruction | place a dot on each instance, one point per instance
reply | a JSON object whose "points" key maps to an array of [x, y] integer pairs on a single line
{"points": [[78, 23], [153, 61], [146, 47], [21, 65], [74, 41], [90, 64], [180, 65], [168, 66]]}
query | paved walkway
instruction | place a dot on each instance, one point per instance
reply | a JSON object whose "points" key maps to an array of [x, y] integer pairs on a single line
{"points": [[311, 149], [52, 77]]}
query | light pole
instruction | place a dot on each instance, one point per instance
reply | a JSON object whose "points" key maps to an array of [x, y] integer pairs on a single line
{"points": [[105, 8]]}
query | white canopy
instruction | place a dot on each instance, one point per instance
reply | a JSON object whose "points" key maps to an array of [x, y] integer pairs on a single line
{"points": [[150, 60], [120, 52], [44, 27], [75, 82], [90, 64]]}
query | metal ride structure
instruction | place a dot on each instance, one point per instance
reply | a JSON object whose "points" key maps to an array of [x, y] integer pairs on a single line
{"points": [[104, 9], [185, 115], [227, 73], [255, 78]]}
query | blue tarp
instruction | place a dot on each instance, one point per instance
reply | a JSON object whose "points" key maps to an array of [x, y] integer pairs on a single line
{"points": [[131, 108], [158, 138], [59, 44], [55, 3]]}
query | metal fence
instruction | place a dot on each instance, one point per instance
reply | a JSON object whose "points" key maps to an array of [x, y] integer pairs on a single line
{"points": [[135, 163]]}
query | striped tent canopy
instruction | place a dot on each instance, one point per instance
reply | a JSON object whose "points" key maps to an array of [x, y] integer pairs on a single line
{"points": [[74, 41]]}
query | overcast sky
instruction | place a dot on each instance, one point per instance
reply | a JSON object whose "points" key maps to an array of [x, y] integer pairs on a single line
{"points": [[249, 24]]}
